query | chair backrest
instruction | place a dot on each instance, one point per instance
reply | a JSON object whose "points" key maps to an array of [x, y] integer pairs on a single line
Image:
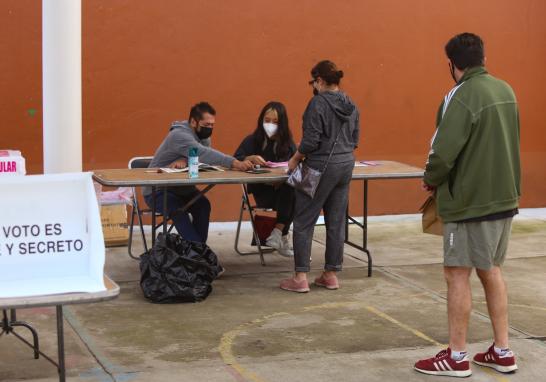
{"points": [[140, 162]]}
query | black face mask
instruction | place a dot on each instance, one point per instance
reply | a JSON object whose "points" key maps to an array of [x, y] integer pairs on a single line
{"points": [[452, 71], [204, 132], [315, 91]]}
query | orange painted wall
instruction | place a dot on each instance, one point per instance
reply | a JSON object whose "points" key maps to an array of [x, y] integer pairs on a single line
{"points": [[146, 62]]}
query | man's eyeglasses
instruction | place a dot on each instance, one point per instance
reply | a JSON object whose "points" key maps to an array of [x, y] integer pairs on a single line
{"points": [[312, 81]]}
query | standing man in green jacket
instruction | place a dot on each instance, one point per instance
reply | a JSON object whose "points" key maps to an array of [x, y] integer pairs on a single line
{"points": [[474, 169]]}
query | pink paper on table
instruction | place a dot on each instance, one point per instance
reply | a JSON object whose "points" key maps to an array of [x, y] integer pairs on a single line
{"points": [[276, 164]]}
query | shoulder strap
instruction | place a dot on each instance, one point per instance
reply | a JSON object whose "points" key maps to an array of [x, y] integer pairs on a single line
{"points": [[337, 135]]}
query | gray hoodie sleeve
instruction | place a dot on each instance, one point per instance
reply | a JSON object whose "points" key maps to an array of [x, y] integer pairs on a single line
{"points": [[356, 131], [183, 141], [313, 123], [211, 156]]}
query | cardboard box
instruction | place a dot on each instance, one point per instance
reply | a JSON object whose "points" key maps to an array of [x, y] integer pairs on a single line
{"points": [[114, 224]]}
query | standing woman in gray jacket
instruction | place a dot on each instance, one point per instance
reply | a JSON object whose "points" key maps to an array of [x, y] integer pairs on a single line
{"points": [[329, 113]]}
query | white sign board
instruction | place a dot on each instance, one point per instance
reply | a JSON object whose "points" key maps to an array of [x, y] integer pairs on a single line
{"points": [[50, 235]]}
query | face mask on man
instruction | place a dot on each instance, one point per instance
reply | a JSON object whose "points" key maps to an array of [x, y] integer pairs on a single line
{"points": [[270, 129], [204, 132]]}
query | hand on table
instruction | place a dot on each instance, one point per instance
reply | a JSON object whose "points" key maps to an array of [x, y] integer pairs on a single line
{"points": [[179, 163], [242, 165], [256, 159]]}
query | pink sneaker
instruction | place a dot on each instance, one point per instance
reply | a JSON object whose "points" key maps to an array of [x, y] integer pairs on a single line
{"points": [[293, 285], [504, 363], [328, 283], [443, 364]]}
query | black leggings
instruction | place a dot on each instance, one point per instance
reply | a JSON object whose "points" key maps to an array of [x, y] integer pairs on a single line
{"points": [[280, 199]]}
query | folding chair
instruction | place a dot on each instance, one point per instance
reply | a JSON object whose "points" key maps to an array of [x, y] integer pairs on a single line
{"points": [[246, 205], [144, 162], [139, 162]]}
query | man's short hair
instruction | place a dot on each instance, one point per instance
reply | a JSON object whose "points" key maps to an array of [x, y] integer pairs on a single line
{"points": [[465, 50], [199, 109]]}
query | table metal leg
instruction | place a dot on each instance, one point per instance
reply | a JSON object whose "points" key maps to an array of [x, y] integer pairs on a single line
{"points": [[246, 199], [364, 226], [184, 208], [154, 209], [238, 230], [8, 324], [60, 344], [164, 211], [195, 198], [166, 216], [245, 204]]}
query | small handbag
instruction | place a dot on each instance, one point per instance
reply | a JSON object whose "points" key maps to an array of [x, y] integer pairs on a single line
{"points": [[306, 179], [432, 223]]}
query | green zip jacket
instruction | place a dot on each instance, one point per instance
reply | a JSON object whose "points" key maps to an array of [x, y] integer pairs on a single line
{"points": [[474, 160]]}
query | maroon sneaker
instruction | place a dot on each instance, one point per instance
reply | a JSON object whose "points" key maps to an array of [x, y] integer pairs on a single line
{"points": [[443, 364], [293, 285], [328, 283], [504, 363]]}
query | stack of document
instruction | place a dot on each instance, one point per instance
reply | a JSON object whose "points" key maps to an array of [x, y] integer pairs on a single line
{"points": [[201, 166]]}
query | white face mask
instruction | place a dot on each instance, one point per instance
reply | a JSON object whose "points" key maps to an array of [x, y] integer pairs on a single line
{"points": [[270, 129]]}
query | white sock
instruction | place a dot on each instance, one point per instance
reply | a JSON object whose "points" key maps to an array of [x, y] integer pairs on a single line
{"points": [[501, 351], [458, 355]]}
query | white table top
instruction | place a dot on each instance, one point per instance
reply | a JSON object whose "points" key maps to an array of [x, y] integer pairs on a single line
{"points": [[111, 292]]}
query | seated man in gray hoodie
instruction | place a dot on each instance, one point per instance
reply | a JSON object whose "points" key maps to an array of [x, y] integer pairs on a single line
{"points": [[173, 152]]}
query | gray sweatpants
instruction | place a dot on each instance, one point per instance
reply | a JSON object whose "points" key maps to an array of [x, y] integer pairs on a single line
{"points": [[332, 195]]}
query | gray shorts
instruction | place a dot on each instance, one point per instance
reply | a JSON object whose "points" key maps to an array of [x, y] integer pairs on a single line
{"points": [[477, 244]]}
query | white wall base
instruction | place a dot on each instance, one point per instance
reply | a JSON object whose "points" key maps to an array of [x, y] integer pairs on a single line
{"points": [[524, 213]]}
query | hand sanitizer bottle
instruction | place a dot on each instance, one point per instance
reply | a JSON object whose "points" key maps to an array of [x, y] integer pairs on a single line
{"points": [[193, 163]]}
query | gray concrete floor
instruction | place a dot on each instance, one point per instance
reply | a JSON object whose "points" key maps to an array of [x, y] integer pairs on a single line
{"points": [[372, 329]]}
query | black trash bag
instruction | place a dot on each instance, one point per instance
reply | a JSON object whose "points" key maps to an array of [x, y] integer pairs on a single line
{"points": [[177, 270]]}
